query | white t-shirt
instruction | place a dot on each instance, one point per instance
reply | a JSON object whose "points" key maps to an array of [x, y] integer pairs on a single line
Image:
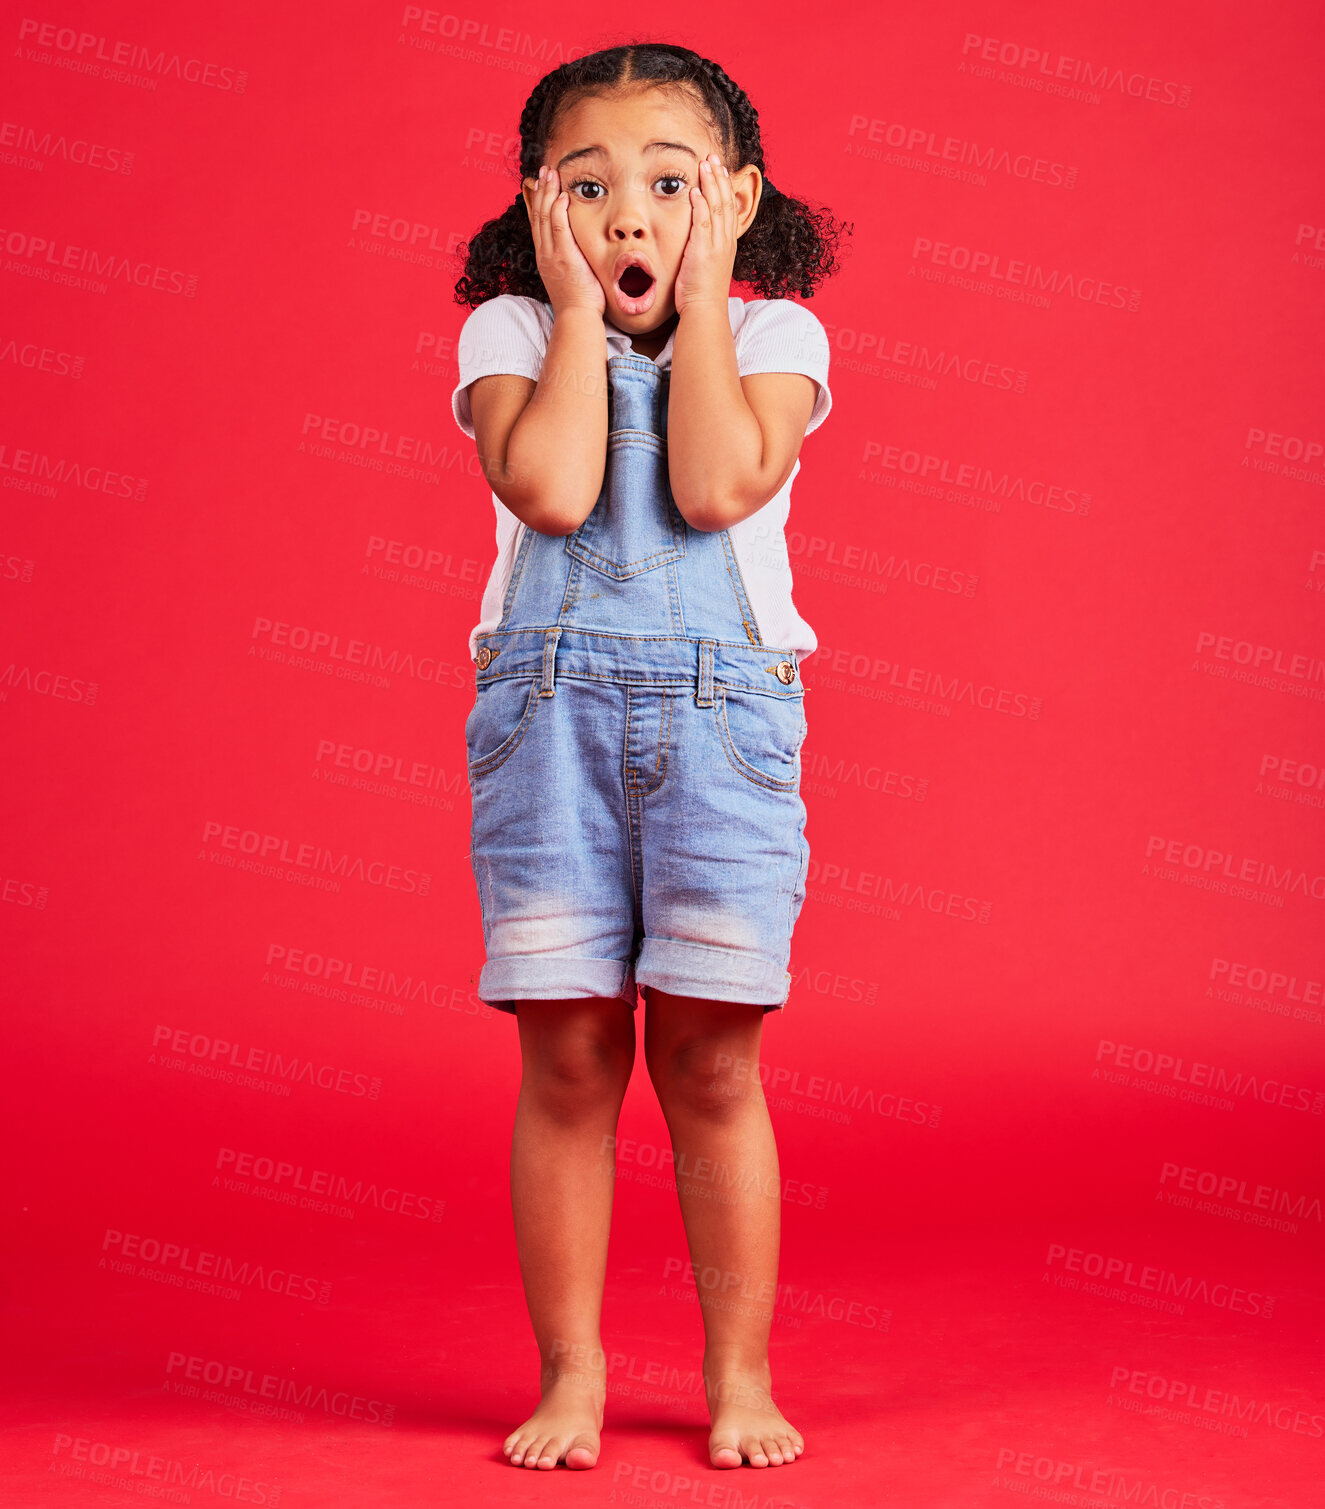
{"points": [[510, 334]]}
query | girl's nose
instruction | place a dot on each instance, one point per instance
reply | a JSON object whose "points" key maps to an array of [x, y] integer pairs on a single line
{"points": [[628, 210], [628, 217]]}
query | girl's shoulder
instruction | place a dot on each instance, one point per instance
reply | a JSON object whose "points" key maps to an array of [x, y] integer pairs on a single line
{"points": [[763, 312], [781, 324], [770, 331], [777, 335], [779, 311], [506, 335], [515, 315]]}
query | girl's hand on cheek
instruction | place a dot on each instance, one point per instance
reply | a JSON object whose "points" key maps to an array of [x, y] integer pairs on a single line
{"points": [[566, 274], [706, 267]]}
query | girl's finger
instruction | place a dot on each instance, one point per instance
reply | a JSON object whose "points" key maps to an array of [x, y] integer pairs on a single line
{"points": [[557, 221], [728, 197], [715, 203], [699, 210], [721, 190], [559, 214], [546, 203], [708, 182]]}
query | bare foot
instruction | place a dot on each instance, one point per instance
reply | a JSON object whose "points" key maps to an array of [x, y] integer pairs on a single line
{"points": [[747, 1425], [565, 1426]]}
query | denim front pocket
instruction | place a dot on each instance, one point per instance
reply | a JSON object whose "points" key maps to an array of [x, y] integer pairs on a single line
{"points": [[498, 720], [762, 736], [635, 526]]}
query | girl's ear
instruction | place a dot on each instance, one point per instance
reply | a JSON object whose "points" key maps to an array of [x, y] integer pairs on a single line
{"points": [[747, 190]]}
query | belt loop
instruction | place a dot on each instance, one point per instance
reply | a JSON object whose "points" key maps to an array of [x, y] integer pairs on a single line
{"points": [[704, 690], [549, 686]]}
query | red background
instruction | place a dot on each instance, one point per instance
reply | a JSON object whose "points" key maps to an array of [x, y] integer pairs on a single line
{"points": [[1038, 752]]}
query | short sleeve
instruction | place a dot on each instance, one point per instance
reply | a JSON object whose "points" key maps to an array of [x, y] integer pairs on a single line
{"points": [[777, 335], [506, 334]]}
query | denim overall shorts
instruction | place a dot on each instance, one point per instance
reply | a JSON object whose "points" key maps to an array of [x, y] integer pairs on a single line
{"points": [[634, 752]]}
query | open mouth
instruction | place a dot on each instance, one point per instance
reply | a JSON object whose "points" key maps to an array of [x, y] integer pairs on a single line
{"points": [[635, 282], [634, 287]]}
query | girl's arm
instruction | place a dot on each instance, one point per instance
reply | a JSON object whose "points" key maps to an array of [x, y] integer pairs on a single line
{"points": [[543, 445], [731, 441]]}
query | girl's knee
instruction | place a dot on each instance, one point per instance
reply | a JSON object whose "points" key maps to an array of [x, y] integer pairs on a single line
{"points": [[710, 1075], [578, 1063]]}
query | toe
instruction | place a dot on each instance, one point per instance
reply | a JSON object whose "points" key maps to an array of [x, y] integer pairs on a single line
{"points": [[532, 1451], [773, 1451], [724, 1450], [754, 1449], [583, 1452]]}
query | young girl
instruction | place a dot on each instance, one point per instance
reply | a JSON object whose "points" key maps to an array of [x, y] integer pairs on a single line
{"points": [[634, 744]]}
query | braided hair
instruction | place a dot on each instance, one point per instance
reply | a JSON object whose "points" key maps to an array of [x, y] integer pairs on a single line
{"points": [[788, 247]]}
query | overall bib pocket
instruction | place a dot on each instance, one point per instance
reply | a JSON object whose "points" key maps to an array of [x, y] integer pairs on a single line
{"points": [[762, 736], [635, 526], [498, 720]]}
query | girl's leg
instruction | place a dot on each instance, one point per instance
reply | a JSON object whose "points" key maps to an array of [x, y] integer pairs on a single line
{"points": [[576, 1057], [703, 1058]]}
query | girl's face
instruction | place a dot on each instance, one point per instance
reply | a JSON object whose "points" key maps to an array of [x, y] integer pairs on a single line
{"points": [[628, 162]]}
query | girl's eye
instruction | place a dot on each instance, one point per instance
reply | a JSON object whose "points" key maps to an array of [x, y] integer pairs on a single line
{"points": [[590, 183]]}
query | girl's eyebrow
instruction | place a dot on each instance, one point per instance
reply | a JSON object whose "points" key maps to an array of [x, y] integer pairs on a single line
{"points": [[653, 146]]}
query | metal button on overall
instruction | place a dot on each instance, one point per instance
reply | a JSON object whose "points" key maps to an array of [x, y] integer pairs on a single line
{"points": [[637, 817]]}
